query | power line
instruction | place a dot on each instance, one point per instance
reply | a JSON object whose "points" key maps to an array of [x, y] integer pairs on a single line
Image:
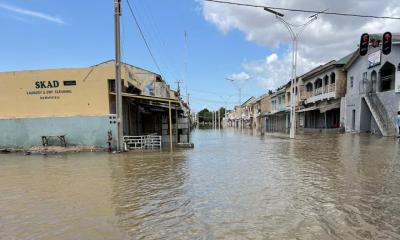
{"points": [[144, 39], [195, 99], [304, 11], [156, 38]]}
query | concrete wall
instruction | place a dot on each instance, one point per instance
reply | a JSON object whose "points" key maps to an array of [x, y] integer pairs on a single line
{"points": [[79, 130], [390, 99], [341, 82], [265, 104]]}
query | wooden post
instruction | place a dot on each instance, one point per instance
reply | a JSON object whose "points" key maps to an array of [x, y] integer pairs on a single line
{"points": [[170, 125], [177, 126]]}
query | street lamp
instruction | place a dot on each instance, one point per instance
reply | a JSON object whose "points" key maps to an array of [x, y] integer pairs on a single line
{"points": [[295, 38], [225, 99], [239, 87]]}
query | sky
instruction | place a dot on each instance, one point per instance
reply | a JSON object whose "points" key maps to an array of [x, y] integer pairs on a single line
{"points": [[222, 41]]}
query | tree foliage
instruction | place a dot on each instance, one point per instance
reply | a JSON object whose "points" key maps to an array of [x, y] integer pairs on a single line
{"points": [[206, 116]]}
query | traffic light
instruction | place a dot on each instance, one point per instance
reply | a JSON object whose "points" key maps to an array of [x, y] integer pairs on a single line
{"points": [[364, 43], [387, 43]]}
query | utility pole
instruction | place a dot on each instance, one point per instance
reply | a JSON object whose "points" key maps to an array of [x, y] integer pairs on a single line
{"points": [[118, 83], [178, 82], [219, 119], [189, 117], [215, 119], [212, 119], [225, 100]]}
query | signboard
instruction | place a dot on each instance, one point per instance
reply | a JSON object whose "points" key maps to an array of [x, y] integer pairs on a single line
{"points": [[50, 90], [374, 59]]}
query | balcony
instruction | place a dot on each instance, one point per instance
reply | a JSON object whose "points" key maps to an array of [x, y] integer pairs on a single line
{"points": [[319, 94]]}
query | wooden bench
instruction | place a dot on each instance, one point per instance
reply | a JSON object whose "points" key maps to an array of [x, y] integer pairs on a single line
{"points": [[61, 138]]}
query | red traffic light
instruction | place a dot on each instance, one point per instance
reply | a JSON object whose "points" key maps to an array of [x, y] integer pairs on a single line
{"points": [[364, 43], [387, 43]]}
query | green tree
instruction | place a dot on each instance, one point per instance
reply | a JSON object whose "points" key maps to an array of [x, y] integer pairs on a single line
{"points": [[205, 116]]}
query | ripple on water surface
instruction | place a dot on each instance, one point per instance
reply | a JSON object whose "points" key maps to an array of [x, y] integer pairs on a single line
{"points": [[233, 185]]}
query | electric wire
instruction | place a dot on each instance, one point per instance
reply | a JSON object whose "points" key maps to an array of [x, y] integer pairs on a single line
{"points": [[159, 37], [144, 39], [304, 10], [154, 38]]}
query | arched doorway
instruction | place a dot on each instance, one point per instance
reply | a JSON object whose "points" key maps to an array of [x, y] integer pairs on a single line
{"points": [[333, 82], [318, 86], [387, 77], [309, 90], [326, 84]]}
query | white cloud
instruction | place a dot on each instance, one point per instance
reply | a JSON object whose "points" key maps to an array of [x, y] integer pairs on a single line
{"points": [[328, 38], [31, 13], [242, 76], [272, 58], [273, 72]]}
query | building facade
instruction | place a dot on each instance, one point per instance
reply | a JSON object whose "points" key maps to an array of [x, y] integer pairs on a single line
{"points": [[321, 95], [279, 118], [373, 90], [261, 108], [80, 104]]}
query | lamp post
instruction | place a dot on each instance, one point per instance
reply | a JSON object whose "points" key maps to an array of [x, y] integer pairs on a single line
{"points": [[225, 99], [295, 39], [239, 86]]}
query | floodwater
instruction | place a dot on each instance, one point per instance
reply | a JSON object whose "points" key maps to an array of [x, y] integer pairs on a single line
{"points": [[233, 185]]}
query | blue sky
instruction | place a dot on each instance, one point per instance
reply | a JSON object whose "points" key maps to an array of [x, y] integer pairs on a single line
{"points": [[80, 33], [223, 40]]}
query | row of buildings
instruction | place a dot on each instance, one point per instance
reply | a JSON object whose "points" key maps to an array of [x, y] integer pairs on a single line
{"points": [[79, 105], [355, 93]]}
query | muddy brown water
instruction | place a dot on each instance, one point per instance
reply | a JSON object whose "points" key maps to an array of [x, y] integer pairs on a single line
{"points": [[233, 185]]}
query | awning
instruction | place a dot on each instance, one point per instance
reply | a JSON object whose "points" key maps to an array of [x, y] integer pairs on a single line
{"points": [[329, 107], [151, 101], [308, 109]]}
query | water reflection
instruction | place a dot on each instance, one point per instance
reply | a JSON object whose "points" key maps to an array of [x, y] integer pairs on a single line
{"points": [[235, 184]]}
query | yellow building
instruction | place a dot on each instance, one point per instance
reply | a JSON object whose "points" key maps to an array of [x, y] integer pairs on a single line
{"points": [[80, 103]]}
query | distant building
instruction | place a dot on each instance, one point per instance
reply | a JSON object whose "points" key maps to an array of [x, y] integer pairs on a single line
{"points": [[261, 108], [321, 93], [80, 104], [373, 90], [278, 119], [248, 113]]}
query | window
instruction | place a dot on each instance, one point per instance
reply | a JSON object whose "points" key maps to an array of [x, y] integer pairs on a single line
{"points": [[326, 80], [309, 87], [111, 85], [365, 74], [333, 78], [387, 77], [351, 81]]}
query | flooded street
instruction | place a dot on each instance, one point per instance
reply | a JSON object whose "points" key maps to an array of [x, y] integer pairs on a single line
{"points": [[233, 185]]}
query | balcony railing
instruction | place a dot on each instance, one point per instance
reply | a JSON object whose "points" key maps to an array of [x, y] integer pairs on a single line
{"points": [[318, 91], [332, 88], [308, 95]]}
